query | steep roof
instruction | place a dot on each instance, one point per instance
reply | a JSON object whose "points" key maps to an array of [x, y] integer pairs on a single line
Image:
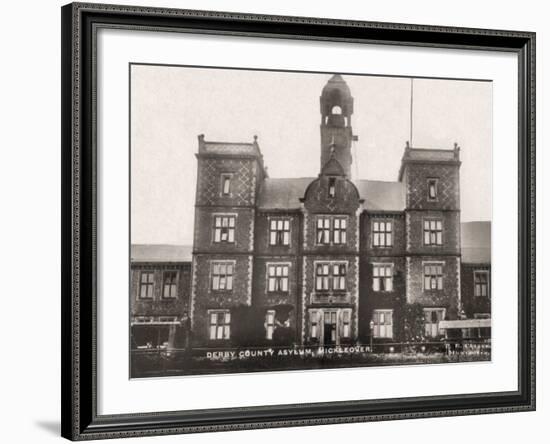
{"points": [[285, 194], [382, 196], [160, 253], [475, 240]]}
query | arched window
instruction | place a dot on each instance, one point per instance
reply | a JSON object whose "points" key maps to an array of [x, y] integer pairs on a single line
{"points": [[336, 110]]}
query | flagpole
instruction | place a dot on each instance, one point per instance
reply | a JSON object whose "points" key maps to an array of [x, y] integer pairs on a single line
{"points": [[411, 115]]}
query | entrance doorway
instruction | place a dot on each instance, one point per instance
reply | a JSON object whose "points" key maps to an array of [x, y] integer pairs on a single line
{"points": [[330, 327]]}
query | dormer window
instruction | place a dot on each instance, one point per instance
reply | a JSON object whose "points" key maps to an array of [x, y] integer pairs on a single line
{"points": [[336, 110], [432, 190], [332, 187]]}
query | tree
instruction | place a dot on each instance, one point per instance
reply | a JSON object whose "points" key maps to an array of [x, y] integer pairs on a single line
{"points": [[282, 334], [247, 326], [411, 323]]}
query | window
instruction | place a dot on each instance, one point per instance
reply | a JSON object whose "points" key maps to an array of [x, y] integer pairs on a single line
{"points": [[143, 320], [168, 319], [481, 283], [329, 329], [382, 277], [330, 276], [277, 277], [432, 317], [332, 187], [382, 234], [226, 184], [224, 229], [339, 277], [339, 231], [432, 189], [279, 232], [269, 324], [222, 276], [383, 323], [323, 230], [169, 287], [433, 276], [433, 232], [335, 225], [220, 322], [146, 281], [346, 323], [314, 317], [322, 277]]}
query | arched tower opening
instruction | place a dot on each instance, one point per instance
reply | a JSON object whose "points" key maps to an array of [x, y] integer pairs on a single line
{"points": [[336, 133]]}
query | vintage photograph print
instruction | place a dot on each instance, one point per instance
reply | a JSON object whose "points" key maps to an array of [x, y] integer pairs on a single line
{"points": [[297, 220]]}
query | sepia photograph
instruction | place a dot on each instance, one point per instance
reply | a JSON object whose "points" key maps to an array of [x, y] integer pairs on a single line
{"points": [[284, 220]]}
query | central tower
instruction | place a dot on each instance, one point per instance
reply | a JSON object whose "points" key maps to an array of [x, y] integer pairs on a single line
{"points": [[336, 132]]}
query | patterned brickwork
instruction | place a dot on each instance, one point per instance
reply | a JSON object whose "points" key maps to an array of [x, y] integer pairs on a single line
{"points": [[370, 299], [450, 232], [398, 234], [318, 202], [263, 298], [447, 297], [206, 298], [349, 298], [447, 187], [243, 181], [261, 236], [204, 229], [345, 200]]}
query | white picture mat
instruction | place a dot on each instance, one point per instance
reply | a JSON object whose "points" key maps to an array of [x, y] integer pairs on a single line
{"points": [[118, 394]]}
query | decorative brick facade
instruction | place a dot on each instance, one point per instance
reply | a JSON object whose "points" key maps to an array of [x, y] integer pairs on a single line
{"points": [[338, 253]]}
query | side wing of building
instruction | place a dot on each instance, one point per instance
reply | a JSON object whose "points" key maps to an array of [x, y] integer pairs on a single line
{"points": [[160, 287]]}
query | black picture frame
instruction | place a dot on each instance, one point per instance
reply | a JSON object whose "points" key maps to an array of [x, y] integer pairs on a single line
{"points": [[79, 169]]}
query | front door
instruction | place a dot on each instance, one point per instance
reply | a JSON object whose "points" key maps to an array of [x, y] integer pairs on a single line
{"points": [[330, 329]]}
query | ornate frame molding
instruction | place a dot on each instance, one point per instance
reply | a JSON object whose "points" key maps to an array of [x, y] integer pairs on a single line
{"points": [[80, 22]]}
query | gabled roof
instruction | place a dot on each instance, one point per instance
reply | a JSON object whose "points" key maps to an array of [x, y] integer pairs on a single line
{"points": [[160, 253], [475, 241], [382, 196]]}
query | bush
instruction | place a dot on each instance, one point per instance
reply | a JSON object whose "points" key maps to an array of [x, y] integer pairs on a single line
{"points": [[411, 325]]}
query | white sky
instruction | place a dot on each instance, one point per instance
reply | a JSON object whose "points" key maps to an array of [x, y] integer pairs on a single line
{"points": [[171, 106]]}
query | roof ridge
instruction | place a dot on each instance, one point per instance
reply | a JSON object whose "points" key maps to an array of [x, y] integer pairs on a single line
{"points": [[376, 180]]}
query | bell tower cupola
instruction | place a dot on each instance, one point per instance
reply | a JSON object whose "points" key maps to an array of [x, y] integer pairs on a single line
{"points": [[336, 132]]}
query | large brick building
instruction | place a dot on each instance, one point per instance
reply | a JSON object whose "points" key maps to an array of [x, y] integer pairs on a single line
{"points": [[332, 259]]}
